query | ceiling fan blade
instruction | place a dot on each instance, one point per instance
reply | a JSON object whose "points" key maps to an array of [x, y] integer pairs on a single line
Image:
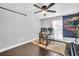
{"points": [[37, 11], [37, 6], [50, 5], [51, 11]]}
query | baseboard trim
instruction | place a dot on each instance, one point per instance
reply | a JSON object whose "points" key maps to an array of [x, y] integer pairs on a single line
{"points": [[11, 47]]}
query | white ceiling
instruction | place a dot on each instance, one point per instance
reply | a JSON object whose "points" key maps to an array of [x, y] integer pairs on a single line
{"points": [[28, 8]]}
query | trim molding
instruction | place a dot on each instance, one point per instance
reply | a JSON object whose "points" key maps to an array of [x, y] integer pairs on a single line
{"points": [[16, 45]]}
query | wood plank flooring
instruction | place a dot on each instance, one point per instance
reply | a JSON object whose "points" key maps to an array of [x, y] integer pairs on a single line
{"points": [[29, 49]]}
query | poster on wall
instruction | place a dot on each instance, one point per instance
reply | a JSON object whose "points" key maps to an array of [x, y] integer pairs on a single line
{"points": [[71, 26]]}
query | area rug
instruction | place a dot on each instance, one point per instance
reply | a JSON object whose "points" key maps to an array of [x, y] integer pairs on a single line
{"points": [[57, 47]]}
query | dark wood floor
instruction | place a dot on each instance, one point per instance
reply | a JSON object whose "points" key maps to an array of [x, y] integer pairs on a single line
{"points": [[29, 49]]}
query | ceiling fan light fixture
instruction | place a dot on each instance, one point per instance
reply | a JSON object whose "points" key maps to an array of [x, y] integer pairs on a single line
{"points": [[44, 13]]}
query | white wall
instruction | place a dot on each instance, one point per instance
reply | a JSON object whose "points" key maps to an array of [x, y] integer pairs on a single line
{"points": [[46, 23], [15, 28]]}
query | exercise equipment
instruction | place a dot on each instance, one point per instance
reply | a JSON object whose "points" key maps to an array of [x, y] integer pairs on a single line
{"points": [[44, 35]]}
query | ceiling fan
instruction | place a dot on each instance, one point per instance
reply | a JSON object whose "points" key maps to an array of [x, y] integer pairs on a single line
{"points": [[44, 9]]}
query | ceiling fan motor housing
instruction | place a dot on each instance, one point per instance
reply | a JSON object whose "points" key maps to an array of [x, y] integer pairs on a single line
{"points": [[44, 7]]}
